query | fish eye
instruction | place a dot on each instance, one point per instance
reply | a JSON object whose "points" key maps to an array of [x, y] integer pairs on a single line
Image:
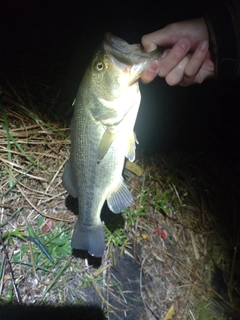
{"points": [[99, 66]]}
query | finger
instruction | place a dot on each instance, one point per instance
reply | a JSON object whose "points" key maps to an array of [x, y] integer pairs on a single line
{"points": [[151, 41], [193, 68], [197, 59], [174, 57], [151, 72], [176, 76], [163, 37]]}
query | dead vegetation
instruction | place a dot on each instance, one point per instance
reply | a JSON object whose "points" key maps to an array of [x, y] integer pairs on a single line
{"points": [[158, 264]]}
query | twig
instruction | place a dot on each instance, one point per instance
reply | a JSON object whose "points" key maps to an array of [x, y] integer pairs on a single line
{"points": [[56, 174], [195, 249], [10, 218], [141, 285], [140, 200], [19, 300], [38, 210]]}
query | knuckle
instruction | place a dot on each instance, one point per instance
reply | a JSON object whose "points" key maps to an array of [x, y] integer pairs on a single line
{"points": [[163, 72], [188, 73], [144, 39]]}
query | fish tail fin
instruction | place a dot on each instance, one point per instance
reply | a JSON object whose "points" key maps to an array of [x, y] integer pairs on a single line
{"points": [[90, 239]]}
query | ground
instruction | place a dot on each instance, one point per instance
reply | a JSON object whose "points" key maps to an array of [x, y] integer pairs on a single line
{"points": [[168, 256]]}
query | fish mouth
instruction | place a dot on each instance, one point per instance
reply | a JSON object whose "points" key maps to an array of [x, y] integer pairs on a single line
{"points": [[128, 53], [129, 57], [117, 46]]}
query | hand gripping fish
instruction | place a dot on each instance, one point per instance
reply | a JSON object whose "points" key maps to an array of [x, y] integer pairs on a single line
{"points": [[102, 136]]}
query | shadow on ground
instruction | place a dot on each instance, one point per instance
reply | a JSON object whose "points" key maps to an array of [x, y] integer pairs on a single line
{"points": [[19, 312]]}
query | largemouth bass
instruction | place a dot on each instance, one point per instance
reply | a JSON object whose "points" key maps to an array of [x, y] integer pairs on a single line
{"points": [[102, 136]]}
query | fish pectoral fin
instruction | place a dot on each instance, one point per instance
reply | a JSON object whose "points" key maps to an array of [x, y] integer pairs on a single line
{"points": [[131, 147], [120, 198], [68, 181], [105, 144]]}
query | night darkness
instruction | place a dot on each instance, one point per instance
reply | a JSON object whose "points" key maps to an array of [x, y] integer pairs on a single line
{"points": [[54, 43], [40, 38]]}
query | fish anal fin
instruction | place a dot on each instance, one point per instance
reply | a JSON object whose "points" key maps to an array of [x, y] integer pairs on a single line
{"points": [[120, 198], [105, 144], [68, 181]]}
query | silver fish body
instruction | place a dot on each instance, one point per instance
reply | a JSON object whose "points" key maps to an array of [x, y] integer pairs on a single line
{"points": [[102, 136]]}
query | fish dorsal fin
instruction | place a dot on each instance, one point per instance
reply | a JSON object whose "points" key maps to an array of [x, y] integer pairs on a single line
{"points": [[105, 144], [120, 198], [131, 147]]}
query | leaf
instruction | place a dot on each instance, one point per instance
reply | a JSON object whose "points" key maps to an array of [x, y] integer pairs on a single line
{"points": [[170, 312], [15, 233], [133, 167], [31, 231], [16, 256], [40, 221], [163, 235], [159, 231], [96, 273], [58, 242]]}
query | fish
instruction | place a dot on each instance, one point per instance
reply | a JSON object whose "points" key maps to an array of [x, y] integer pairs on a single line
{"points": [[102, 136]]}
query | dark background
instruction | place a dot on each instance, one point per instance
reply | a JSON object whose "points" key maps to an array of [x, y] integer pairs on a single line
{"points": [[50, 44], [54, 42], [46, 46]]}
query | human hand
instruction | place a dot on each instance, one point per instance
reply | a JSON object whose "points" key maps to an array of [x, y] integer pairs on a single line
{"points": [[186, 60]]}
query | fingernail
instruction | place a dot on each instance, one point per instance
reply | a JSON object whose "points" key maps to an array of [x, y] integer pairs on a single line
{"points": [[204, 45], [185, 44], [154, 67]]}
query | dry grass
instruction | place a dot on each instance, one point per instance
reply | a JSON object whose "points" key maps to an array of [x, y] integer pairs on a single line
{"points": [[171, 237], [179, 247]]}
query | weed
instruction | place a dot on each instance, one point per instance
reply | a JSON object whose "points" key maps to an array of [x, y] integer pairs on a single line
{"points": [[118, 237]]}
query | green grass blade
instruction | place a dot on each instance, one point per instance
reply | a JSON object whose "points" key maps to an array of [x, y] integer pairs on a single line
{"points": [[55, 278], [39, 121]]}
